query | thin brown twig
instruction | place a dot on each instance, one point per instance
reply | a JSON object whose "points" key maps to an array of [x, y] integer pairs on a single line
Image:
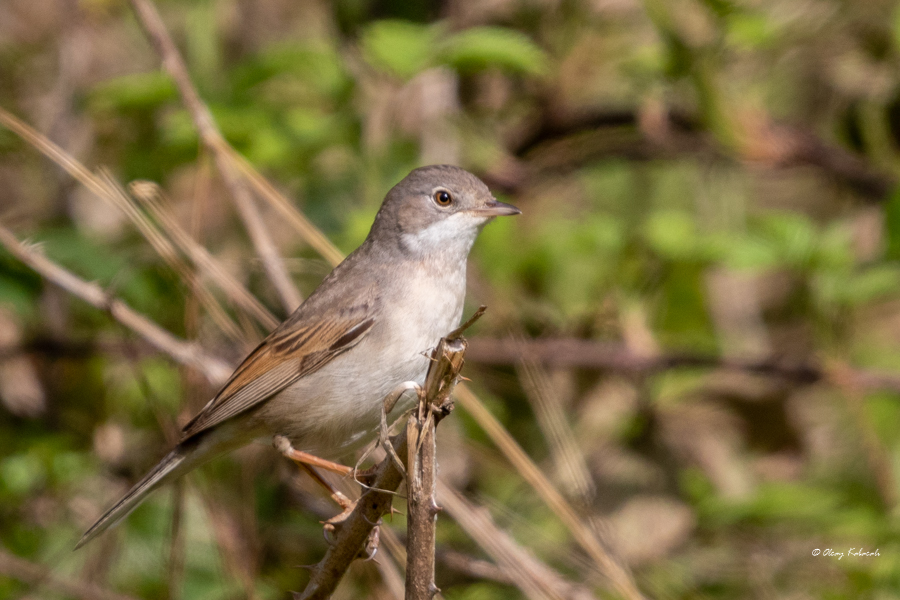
{"points": [[352, 533], [592, 354], [40, 576], [214, 141], [181, 351]]}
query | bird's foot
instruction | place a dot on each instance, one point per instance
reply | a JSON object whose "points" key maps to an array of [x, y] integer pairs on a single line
{"points": [[347, 506]]}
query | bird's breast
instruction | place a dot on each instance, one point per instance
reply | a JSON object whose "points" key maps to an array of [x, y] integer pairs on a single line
{"points": [[338, 407]]}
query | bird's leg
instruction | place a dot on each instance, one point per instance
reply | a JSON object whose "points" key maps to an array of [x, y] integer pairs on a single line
{"points": [[343, 501], [283, 445], [309, 462]]}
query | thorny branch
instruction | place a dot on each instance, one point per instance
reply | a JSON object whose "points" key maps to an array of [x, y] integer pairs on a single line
{"points": [[352, 535], [436, 403]]}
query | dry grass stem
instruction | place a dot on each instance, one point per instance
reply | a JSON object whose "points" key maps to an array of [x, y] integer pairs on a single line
{"points": [[474, 567], [571, 467], [183, 352], [612, 568], [216, 144], [150, 194], [534, 579], [171, 256], [307, 230], [106, 188]]}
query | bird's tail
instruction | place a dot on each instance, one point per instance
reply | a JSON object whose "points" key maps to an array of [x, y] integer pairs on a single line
{"points": [[177, 462]]}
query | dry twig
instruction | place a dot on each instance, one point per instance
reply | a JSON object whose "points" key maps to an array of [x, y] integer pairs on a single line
{"points": [[183, 352], [434, 404], [352, 533], [591, 354], [215, 142]]}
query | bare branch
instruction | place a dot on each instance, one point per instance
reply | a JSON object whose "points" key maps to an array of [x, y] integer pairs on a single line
{"points": [[422, 512], [183, 352], [215, 142], [592, 354], [351, 534], [39, 576]]}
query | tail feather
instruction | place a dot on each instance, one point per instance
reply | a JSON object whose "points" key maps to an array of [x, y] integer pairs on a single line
{"points": [[165, 470]]}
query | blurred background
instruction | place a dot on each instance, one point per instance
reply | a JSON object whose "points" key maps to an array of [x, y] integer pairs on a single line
{"points": [[693, 328]]}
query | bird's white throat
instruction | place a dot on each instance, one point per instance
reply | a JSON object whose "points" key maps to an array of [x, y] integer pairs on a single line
{"points": [[450, 238]]}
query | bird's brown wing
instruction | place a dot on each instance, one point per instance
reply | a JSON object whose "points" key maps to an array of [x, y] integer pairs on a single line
{"points": [[300, 346]]}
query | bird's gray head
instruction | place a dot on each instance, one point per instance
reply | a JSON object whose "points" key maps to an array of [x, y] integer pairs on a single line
{"points": [[437, 209]]}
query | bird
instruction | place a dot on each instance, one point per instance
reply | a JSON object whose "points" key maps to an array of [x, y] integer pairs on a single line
{"points": [[320, 377]]}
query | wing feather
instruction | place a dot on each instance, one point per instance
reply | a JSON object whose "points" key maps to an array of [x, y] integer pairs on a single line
{"points": [[292, 351]]}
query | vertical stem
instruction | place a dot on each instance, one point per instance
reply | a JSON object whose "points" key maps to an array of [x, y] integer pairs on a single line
{"points": [[434, 404], [422, 510]]}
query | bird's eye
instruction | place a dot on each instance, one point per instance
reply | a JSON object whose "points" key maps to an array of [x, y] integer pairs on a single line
{"points": [[443, 198]]}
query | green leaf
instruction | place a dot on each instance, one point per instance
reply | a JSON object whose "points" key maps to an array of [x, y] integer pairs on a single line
{"points": [[869, 285], [672, 234], [750, 31], [793, 236], [482, 47], [21, 473], [399, 46], [133, 92]]}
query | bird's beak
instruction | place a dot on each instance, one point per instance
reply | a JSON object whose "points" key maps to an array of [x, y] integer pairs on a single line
{"points": [[495, 208]]}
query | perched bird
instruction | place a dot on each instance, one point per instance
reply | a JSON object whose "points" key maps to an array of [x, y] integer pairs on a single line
{"points": [[320, 377]]}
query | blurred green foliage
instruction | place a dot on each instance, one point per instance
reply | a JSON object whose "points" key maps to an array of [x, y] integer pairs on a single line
{"points": [[665, 211]]}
